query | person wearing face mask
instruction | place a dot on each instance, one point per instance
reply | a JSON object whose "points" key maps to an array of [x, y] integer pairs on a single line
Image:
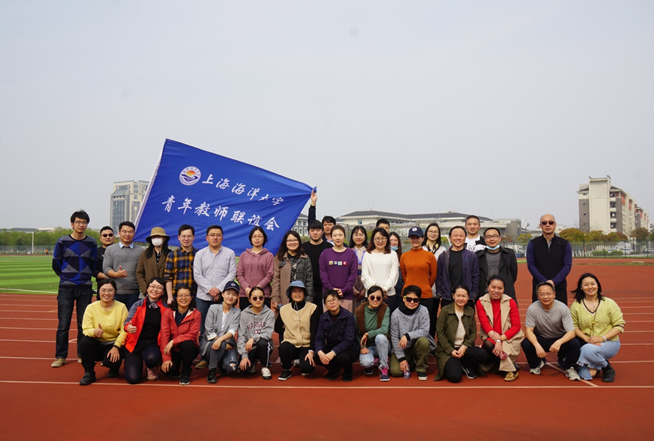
{"points": [[495, 260], [152, 262]]}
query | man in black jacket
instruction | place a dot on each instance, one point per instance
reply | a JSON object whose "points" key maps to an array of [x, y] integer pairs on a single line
{"points": [[494, 259]]}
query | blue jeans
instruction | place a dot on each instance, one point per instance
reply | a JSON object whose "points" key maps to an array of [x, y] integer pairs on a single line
{"points": [[66, 299], [596, 357], [127, 299], [227, 358], [203, 307], [379, 350]]}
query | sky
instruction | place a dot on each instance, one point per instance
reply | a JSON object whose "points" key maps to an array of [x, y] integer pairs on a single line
{"points": [[500, 109]]}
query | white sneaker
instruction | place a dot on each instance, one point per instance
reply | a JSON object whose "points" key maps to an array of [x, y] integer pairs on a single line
{"points": [[536, 370], [265, 373], [572, 374]]}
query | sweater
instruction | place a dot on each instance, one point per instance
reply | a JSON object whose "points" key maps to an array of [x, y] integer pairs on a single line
{"points": [[127, 258], [413, 326], [314, 252], [112, 322], [255, 270], [74, 261], [339, 270], [607, 316], [254, 326], [380, 269], [419, 268]]}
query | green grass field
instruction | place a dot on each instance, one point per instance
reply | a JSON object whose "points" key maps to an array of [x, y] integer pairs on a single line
{"points": [[27, 274]]}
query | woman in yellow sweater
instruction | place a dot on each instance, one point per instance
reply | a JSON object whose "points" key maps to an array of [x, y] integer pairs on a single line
{"points": [[598, 322], [104, 334]]}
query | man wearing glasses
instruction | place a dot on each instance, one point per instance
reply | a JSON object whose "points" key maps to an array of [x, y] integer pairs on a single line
{"points": [[549, 259], [120, 260], [495, 260], [74, 261]]}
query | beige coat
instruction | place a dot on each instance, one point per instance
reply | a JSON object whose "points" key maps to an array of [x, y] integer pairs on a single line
{"points": [[511, 347]]}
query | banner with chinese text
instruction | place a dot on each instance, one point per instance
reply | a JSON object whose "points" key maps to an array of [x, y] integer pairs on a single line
{"points": [[200, 188]]}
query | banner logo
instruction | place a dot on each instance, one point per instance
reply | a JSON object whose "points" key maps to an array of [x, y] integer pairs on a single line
{"points": [[190, 175]]}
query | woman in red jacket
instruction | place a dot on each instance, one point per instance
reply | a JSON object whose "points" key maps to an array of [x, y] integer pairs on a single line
{"points": [[180, 327], [143, 325]]}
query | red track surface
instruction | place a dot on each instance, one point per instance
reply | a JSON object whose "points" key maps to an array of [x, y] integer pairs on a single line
{"points": [[40, 402]]}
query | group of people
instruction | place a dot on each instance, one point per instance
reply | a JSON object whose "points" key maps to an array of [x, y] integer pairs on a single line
{"points": [[330, 302]]}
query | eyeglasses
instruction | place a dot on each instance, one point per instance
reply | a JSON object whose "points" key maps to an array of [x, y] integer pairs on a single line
{"points": [[412, 299], [375, 298], [108, 235], [332, 300], [128, 232], [257, 298], [182, 296], [81, 223], [547, 223], [186, 237], [491, 236], [380, 239], [214, 235], [157, 288]]}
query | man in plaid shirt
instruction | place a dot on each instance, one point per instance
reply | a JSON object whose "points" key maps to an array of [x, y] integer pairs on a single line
{"points": [[179, 266]]}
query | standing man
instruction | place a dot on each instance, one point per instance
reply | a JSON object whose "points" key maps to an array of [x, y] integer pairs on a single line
{"points": [[383, 223], [549, 328], [74, 261], [495, 260], [328, 222], [457, 266], [474, 242], [314, 248], [213, 267], [179, 265], [120, 262], [549, 259], [106, 239]]}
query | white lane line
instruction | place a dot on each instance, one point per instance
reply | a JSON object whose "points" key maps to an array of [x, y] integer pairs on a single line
{"points": [[41, 329], [26, 290]]}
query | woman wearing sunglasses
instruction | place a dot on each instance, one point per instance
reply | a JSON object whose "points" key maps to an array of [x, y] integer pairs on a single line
{"points": [[373, 321], [255, 334]]}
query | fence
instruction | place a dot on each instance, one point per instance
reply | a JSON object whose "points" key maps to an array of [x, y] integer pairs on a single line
{"points": [[626, 250]]}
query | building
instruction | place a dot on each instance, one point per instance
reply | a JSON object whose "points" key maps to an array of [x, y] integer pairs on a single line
{"points": [[301, 225], [609, 209], [126, 200], [401, 223]]}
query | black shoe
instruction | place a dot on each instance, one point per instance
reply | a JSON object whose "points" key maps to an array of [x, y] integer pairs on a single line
{"points": [[469, 372], [368, 371], [347, 378], [608, 373], [113, 373], [332, 375], [186, 379], [211, 377], [285, 375], [88, 378]]}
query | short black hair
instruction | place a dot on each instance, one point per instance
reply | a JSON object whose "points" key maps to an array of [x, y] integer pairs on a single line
{"points": [[257, 228], [103, 282], [455, 227], [496, 277], [329, 292], [106, 227], [382, 221], [412, 289], [461, 286], [373, 289], [472, 216], [185, 227], [315, 225], [126, 224], [80, 214], [214, 227], [329, 219], [492, 228], [545, 284]]}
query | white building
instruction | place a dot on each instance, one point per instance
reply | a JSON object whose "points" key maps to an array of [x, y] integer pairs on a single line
{"points": [[126, 200]]}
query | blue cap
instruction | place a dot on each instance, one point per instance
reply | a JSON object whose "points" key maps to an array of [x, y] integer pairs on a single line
{"points": [[416, 231]]}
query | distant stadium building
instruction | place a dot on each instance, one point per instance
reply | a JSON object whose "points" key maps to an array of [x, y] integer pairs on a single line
{"points": [[609, 209], [126, 200]]}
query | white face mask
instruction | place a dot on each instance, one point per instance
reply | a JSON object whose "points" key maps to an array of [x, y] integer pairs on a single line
{"points": [[157, 241]]}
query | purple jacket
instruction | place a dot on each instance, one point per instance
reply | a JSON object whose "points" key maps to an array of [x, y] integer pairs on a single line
{"points": [[470, 274]]}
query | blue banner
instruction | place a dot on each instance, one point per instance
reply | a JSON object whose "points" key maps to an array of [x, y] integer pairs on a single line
{"points": [[199, 188]]}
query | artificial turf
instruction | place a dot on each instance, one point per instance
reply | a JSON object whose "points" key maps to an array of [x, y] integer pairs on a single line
{"points": [[27, 274]]}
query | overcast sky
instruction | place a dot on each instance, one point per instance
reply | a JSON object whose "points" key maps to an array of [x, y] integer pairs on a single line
{"points": [[499, 108]]}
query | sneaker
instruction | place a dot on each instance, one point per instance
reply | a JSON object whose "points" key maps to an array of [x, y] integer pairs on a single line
{"points": [[422, 376], [383, 375], [285, 375], [265, 373], [511, 376], [252, 370], [368, 371], [185, 379], [211, 376], [296, 363], [347, 377], [469, 372], [79, 360], [572, 374], [88, 378], [608, 373], [536, 370], [202, 365], [113, 373], [152, 375], [332, 375], [59, 362]]}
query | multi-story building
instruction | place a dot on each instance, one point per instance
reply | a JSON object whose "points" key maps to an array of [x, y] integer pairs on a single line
{"points": [[609, 209], [126, 200]]}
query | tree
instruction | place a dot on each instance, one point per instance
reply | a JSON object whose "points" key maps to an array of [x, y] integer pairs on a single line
{"points": [[640, 233], [615, 237], [524, 238], [595, 236], [572, 235]]}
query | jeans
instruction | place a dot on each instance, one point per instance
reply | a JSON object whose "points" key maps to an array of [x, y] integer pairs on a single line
{"points": [[568, 355], [203, 307], [150, 355], [227, 358], [66, 299], [596, 357], [379, 350], [127, 299]]}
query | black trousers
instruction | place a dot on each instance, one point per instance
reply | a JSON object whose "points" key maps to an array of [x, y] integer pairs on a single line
{"points": [[288, 353], [92, 350], [183, 358], [150, 355], [567, 356], [342, 360], [261, 351], [471, 359]]}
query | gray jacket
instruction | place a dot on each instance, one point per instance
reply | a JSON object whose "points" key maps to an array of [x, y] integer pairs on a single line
{"points": [[214, 324], [254, 326]]}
